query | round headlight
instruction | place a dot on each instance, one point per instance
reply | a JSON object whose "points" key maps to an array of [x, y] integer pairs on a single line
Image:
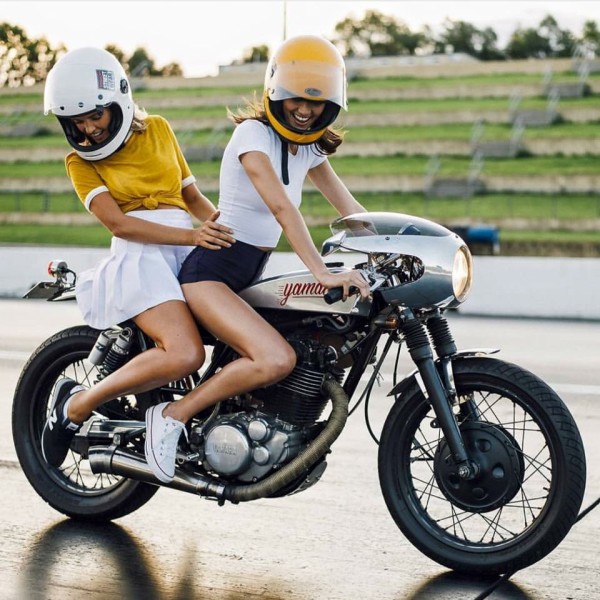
{"points": [[462, 273]]}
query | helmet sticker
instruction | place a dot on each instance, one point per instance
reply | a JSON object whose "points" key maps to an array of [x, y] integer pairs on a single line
{"points": [[106, 79], [313, 92]]}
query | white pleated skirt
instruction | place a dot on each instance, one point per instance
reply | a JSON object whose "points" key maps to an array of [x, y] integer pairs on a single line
{"points": [[135, 276]]}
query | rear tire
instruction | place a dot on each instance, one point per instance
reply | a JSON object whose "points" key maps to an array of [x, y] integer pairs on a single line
{"points": [[71, 489], [524, 501]]}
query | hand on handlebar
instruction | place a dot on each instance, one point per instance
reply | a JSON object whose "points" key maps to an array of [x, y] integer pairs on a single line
{"points": [[342, 285]]}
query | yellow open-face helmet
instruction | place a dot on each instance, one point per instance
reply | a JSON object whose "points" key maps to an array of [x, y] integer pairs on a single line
{"points": [[308, 67]]}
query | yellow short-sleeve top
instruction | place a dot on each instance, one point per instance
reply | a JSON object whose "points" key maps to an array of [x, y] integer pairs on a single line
{"points": [[149, 169]]}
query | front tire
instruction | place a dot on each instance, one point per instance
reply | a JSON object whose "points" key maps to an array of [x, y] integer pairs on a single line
{"points": [[529, 492], [71, 489]]}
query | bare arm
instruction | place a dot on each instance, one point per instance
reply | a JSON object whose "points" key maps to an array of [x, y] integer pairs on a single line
{"points": [[326, 180], [107, 211], [272, 191], [204, 210]]}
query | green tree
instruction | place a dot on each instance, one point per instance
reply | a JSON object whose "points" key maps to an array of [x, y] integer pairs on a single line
{"points": [[465, 38], [172, 70], [118, 54], [561, 41], [528, 43], [24, 61], [590, 38], [377, 35], [256, 54], [140, 64]]}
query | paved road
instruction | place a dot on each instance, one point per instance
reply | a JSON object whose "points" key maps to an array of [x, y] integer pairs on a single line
{"points": [[334, 541]]}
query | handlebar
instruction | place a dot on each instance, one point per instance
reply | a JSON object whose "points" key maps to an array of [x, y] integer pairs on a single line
{"points": [[336, 294]]}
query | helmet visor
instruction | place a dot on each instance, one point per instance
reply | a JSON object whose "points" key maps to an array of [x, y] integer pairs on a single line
{"points": [[311, 80]]}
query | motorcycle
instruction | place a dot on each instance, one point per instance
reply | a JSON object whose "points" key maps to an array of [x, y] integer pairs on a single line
{"points": [[480, 463]]}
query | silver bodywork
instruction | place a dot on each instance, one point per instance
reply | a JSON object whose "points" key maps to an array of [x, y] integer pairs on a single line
{"points": [[299, 291], [424, 254]]}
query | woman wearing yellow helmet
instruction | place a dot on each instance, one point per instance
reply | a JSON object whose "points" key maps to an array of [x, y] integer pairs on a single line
{"points": [[275, 146]]}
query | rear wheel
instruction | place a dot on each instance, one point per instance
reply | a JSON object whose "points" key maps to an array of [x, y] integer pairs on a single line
{"points": [[72, 488], [530, 488]]}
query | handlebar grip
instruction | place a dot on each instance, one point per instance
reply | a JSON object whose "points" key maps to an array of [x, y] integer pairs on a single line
{"points": [[336, 294]]}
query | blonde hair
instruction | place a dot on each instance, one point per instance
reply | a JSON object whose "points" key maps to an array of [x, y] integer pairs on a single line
{"points": [[139, 119]]}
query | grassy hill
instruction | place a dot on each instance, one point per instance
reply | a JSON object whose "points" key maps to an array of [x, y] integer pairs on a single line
{"points": [[409, 131]]}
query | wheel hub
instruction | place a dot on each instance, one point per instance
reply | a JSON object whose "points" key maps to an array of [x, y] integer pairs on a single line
{"points": [[500, 463]]}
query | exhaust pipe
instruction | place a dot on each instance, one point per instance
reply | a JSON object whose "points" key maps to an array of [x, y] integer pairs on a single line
{"points": [[119, 461]]}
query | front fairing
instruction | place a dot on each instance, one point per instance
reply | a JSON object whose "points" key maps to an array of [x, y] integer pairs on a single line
{"points": [[427, 249]]}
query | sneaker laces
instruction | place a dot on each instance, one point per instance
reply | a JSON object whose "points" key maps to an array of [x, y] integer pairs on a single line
{"points": [[168, 442]]}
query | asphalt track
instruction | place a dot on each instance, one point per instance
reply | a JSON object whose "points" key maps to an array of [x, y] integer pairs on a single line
{"points": [[333, 541]]}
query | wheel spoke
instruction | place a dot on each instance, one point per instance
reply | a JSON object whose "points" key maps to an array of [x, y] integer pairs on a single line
{"points": [[508, 521]]}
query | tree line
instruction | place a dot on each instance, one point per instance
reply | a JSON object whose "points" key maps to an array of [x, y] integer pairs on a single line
{"points": [[380, 35], [24, 60]]}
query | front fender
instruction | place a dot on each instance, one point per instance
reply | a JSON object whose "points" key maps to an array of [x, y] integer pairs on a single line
{"points": [[414, 376]]}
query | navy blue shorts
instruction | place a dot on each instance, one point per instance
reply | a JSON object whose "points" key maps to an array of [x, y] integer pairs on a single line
{"points": [[237, 266]]}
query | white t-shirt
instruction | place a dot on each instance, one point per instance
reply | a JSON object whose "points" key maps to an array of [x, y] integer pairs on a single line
{"points": [[241, 206]]}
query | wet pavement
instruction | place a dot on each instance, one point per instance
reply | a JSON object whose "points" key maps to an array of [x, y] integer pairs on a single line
{"points": [[333, 541]]}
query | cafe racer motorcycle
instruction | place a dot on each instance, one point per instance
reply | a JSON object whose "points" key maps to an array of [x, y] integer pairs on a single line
{"points": [[481, 464]]}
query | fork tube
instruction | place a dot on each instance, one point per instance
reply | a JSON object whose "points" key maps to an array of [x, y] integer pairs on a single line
{"points": [[420, 350]]}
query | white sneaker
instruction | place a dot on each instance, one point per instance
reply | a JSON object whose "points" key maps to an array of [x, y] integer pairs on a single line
{"points": [[162, 437]]}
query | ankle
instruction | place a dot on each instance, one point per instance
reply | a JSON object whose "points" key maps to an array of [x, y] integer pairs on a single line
{"points": [[170, 411], [72, 410]]}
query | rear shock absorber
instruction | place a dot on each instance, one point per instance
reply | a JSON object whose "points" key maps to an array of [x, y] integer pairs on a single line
{"points": [[111, 352]]}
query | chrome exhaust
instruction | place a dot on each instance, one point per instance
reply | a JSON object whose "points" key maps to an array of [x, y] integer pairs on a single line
{"points": [[119, 461]]}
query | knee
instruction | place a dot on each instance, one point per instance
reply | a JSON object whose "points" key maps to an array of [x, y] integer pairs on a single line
{"points": [[188, 359], [280, 363], [193, 358]]}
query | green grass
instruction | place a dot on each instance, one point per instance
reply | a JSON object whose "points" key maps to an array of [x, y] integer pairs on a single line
{"points": [[394, 133], [145, 96], [490, 209], [98, 237], [372, 166], [55, 235], [217, 112]]}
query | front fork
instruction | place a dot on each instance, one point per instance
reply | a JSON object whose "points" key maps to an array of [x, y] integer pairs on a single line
{"points": [[440, 390]]}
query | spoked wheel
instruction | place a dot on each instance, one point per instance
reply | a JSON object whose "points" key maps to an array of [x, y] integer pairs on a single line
{"points": [[72, 488], [530, 486]]}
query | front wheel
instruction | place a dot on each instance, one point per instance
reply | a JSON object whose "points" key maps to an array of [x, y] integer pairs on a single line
{"points": [[528, 492], [71, 489]]}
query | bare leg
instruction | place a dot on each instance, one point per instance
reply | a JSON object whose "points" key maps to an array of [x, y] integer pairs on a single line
{"points": [[265, 356], [178, 353]]}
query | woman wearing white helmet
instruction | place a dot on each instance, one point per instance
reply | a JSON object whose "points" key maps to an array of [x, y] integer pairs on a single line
{"points": [[275, 145], [128, 170]]}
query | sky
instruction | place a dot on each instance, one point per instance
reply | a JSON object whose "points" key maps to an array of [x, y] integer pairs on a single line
{"points": [[200, 35]]}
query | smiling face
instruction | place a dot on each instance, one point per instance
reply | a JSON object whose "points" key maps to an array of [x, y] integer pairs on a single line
{"points": [[301, 113], [94, 125]]}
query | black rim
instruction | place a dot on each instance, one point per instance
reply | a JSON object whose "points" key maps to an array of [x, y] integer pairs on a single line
{"points": [[483, 525]]}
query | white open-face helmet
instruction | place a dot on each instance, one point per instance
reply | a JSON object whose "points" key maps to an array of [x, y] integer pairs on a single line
{"points": [[87, 80]]}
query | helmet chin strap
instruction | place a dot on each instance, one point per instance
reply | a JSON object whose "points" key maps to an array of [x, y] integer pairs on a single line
{"points": [[285, 175]]}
